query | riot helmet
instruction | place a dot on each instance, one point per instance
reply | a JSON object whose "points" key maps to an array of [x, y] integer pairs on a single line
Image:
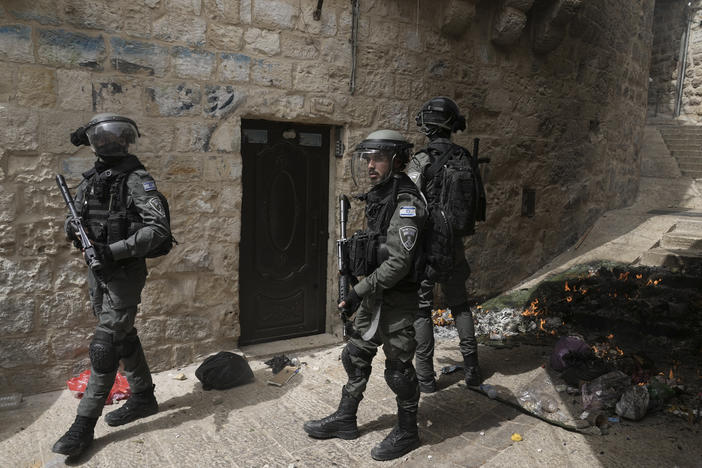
{"points": [[110, 136], [440, 116], [377, 157]]}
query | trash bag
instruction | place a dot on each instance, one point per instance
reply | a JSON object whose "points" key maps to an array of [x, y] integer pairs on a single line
{"points": [[565, 346], [604, 392], [119, 391], [277, 363], [224, 370], [634, 403]]}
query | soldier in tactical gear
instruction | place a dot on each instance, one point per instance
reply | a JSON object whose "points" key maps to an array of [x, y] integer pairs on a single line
{"points": [[438, 119], [125, 219], [386, 297]]}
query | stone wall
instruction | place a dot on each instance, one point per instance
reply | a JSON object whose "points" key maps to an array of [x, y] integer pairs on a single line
{"points": [[555, 90]]}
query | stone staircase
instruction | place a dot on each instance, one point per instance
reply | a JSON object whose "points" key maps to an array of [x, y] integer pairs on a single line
{"points": [[680, 247], [685, 144]]}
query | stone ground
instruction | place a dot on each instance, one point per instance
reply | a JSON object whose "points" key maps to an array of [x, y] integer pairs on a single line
{"points": [[259, 425]]}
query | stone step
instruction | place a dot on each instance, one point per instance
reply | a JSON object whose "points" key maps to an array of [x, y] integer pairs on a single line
{"points": [[692, 174], [682, 140], [687, 153], [660, 167], [690, 167], [684, 147], [681, 241], [659, 256], [681, 130], [691, 226]]}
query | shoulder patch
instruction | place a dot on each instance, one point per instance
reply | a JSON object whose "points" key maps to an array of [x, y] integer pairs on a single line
{"points": [[408, 237], [149, 185], [155, 203], [408, 212]]}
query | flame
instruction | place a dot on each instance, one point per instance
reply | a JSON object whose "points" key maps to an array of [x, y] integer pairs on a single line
{"points": [[639, 276], [624, 276], [621, 353], [566, 286], [533, 309], [671, 376], [541, 325], [610, 336], [655, 283], [569, 298]]}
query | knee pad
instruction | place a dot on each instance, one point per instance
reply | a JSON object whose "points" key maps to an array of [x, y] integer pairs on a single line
{"points": [[103, 354], [401, 378], [352, 369]]}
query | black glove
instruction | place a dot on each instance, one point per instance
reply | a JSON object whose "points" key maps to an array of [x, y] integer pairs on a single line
{"points": [[79, 137], [351, 303], [72, 235], [103, 252]]}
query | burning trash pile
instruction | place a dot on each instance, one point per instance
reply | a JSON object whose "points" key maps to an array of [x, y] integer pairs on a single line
{"points": [[626, 341]]}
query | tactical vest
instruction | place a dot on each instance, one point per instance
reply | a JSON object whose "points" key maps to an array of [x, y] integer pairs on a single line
{"points": [[104, 212], [367, 249]]}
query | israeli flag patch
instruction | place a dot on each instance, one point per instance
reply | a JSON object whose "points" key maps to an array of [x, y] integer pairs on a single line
{"points": [[149, 185], [408, 212]]}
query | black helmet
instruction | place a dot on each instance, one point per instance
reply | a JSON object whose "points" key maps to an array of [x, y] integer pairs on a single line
{"points": [[386, 144], [109, 135], [439, 115]]}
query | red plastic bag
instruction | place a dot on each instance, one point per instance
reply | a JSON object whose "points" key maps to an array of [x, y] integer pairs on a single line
{"points": [[120, 390]]}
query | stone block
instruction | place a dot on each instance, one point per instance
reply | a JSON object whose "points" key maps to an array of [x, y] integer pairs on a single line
{"points": [[137, 19], [225, 37], [8, 203], [262, 41], [64, 48], [157, 136], [322, 106], [226, 137], [37, 239], [75, 91], [299, 46], [234, 67], [19, 129], [222, 11], [384, 32], [41, 11], [394, 115], [173, 100], [222, 167], [403, 87], [184, 329], [375, 83], [457, 17], [187, 7], [183, 354], [271, 73], [325, 26], [8, 82], [25, 351], [166, 296], [7, 239], [182, 168], [151, 331], [137, 57], [213, 290], [118, 95], [93, 14], [189, 63], [16, 43], [220, 101], [193, 137], [245, 10], [274, 14], [507, 26], [36, 87], [73, 166], [173, 27], [68, 345], [310, 77]]}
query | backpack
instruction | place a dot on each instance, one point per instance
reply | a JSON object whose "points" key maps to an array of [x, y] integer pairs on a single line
{"points": [[224, 370], [455, 201]]}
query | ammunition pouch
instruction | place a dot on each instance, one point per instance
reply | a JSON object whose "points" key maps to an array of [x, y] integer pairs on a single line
{"points": [[367, 250]]}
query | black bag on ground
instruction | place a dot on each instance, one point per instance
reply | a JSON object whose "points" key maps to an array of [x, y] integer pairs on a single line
{"points": [[224, 370]]}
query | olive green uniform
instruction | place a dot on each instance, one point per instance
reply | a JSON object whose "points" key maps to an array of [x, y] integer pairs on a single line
{"points": [[454, 290], [115, 296], [392, 292]]}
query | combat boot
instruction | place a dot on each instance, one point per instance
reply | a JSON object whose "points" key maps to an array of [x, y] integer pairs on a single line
{"points": [[139, 405], [472, 370], [341, 423], [77, 439], [403, 438]]}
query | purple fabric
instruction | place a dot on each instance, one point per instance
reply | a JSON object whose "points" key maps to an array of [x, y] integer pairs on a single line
{"points": [[567, 344]]}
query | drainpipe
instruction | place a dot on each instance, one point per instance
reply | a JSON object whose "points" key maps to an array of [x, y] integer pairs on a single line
{"points": [[683, 64]]}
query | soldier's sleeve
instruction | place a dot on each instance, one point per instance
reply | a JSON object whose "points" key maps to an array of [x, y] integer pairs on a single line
{"points": [[415, 169], [402, 243], [78, 202], [143, 196]]}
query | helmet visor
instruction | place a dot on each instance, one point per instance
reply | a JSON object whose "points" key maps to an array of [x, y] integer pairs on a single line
{"points": [[369, 167], [112, 138]]}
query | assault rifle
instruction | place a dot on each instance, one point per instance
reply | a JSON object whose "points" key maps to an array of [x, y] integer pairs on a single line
{"points": [[346, 279], [89, 254]]}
